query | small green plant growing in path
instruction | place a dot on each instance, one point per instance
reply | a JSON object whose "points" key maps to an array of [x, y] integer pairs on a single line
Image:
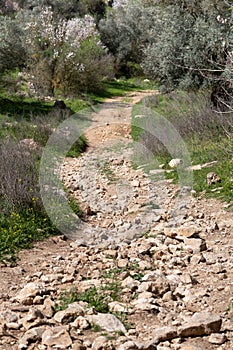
{"points": [[94, 297], [106, 170]]}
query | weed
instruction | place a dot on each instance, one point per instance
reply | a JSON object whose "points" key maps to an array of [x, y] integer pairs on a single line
{"points": [[138, 276], [95, 327], [112, 289], [78, 147], [230, 308], [20, 229], [108, 336], [92, 297], [106, 170], [74, 205]]}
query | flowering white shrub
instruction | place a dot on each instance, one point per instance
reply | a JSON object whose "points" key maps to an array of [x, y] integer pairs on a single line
{"points": [[58, 51], [80, 29], [119, 3]]}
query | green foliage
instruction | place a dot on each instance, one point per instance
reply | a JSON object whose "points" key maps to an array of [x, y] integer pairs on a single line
{"points": [[22, 216], [207, 135], [124, 31], [23, 109], [20, 229], [74, 205], [92, 297], [196, 56], [93, 67], [13, 52], [78, 147], [106, 170]]}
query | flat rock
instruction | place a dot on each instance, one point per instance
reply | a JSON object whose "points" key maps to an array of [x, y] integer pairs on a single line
{"points": [[217, 338], [203, 323], [189, 231], [107, 322], [73, 310], [196, 244], [163, 334], [58, 337], [27, 294]]}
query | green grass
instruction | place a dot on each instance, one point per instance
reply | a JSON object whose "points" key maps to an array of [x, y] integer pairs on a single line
{"points": [[23, 109], [120, 87], [92, 297], [106, 171], [208, 137], [78, 147], [19, 230], [114, 272], [98, 298]]}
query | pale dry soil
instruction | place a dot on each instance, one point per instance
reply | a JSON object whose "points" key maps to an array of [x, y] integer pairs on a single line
{"points": [[200, 277]]}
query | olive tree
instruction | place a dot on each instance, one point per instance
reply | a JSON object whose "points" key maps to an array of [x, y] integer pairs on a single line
{"points": [[13, 52]]}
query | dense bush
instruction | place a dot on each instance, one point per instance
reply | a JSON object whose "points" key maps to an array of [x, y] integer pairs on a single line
{"points": [[61, 55], [125, 31]]}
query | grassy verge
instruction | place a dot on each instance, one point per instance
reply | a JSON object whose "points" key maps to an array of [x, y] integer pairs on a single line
{"points": [[120, 87], [208, 137]]}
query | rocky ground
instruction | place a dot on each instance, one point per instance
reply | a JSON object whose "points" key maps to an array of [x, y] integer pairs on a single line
{"points": [[152, 270]]}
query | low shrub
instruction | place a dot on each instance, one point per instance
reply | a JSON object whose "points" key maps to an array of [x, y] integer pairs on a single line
{"points": [[18, 230]]}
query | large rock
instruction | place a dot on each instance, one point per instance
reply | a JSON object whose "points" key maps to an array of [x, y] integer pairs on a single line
{"points": [[107, 322], [73, 310], [57, 337], [32, 335], [203, 323], [28, 293], [163, 334]]}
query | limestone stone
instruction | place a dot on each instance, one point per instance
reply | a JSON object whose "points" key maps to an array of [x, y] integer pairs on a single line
{"points": [[188, 231], [99, 343], [33, 319], [81, 323], [196, 244], [203, 323], [57, 337], [73, 310], [217, 338], [174, 163], [162, 334], [27, 294], [32, 335], [116, 306], [107, 322]]}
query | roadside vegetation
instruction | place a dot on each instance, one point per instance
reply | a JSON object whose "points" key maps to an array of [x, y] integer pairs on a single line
{"points": [[208, 136]]}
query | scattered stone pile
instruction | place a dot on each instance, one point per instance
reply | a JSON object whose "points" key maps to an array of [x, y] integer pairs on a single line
{"points": [[155, 292], [157, 273]]}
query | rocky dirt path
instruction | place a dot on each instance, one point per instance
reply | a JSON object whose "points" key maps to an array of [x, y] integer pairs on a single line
{"points": [[154, 272]]}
